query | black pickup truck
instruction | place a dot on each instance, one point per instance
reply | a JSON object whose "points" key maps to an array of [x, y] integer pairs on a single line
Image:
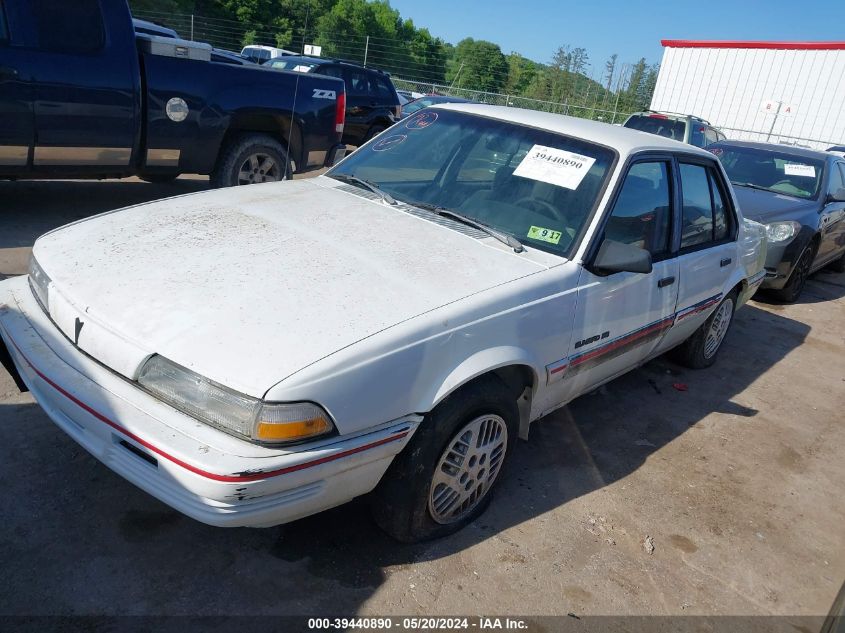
{"points": [[82, 95]]}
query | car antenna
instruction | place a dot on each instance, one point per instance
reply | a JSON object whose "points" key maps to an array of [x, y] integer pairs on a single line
{"points": [[296, 91]]}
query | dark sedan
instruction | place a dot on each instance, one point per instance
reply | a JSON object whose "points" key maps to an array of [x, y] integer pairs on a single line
{"points": [[424, 102], [799, 194]]}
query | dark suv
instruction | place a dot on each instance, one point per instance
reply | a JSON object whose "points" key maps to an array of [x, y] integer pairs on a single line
{"points": [[372, 104], [680, 127]]}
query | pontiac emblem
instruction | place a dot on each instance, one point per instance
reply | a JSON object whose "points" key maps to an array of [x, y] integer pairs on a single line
{"points": [[77, 328]]}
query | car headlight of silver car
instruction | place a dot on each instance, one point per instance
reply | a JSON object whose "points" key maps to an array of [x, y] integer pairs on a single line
{"points": [[782, 231], [232, 412], [40, 283]]}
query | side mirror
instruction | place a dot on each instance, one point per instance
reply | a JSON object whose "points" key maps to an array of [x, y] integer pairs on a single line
{"points": [[836, 196], [616, 257]]}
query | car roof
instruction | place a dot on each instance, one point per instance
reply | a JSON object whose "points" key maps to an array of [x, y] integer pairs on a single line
{"points": [[624, 140], [304, 59], [777, 147], [675, 116]]}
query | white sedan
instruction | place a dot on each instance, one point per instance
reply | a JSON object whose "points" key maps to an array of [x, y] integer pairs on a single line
{"points": [[254, 355]]}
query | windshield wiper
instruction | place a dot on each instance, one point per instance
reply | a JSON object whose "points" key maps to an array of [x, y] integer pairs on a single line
{"points": [[750, 185], [510, 240], [386, 197]]}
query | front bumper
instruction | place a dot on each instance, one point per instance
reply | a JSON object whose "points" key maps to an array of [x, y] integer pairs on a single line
{"points": [[782, 258], [191, 467]]}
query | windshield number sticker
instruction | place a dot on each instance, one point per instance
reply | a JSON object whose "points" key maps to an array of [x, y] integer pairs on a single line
{"points": [[421, 121], [554, 166], [388, 143], [544, 235], [799, 170]]}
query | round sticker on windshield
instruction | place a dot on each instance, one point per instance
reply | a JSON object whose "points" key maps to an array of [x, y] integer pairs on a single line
{"points": [[389, 143], [421, 121]]}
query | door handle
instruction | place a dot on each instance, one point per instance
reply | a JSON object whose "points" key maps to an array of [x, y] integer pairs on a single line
{"points": [[725, 262], [666, 281], [8, 73]]}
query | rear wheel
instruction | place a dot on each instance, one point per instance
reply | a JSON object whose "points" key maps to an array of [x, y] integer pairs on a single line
{"points": [[700, 349], [795, 284], [251, 159], [158, 178], [375, 131], [445, 477]]}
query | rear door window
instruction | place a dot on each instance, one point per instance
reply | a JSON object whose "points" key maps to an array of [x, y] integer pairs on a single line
{"points": [[710, 136], [383, 89], [658, 124], [358, 82], [69, 27]]}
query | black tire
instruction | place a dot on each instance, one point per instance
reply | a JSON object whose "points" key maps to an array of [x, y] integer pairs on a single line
{"points": [[231, 169], [400, 503], [158, 178], [798, 277], [838, 265], [695, 352], [374, 131]]}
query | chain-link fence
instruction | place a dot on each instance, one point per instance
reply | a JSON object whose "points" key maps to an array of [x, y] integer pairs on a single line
{"points": [[591, 101]]}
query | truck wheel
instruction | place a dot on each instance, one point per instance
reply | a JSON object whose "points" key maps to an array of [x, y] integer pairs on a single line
{"points": [[798, 278], [444, 478], [375, 131], [700, 349], [158, 178], [249, 159]]}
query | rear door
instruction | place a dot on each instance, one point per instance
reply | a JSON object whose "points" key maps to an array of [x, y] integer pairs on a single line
{"points": [[622, 317], [17, 123], [85, 78], [707, 249]]}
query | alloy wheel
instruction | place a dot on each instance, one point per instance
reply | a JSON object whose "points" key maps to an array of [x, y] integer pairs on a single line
{"points": [[259, 168], [468, 468], [718, 328]]}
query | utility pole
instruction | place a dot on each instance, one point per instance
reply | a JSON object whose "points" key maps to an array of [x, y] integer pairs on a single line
{"points": [[774, 120], [458, 74], [366, 50], [192, 27]]}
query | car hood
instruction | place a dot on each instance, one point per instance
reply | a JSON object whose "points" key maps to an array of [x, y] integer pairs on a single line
{"points": [[767, 206], [250, 284]]}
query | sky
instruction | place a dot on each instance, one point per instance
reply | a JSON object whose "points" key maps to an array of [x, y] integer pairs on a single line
{"points": [[536, 28]]}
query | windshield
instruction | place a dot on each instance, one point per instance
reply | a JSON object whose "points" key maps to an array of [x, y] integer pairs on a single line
{"points": [[291, 64], [779, 172], [534, 185], [418, 104], [658, 124]]}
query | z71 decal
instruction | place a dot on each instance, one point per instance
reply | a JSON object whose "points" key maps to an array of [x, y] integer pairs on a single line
{"points": [[324, 94]]}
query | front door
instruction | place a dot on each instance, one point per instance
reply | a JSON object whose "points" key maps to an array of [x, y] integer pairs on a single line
{"points": [[17, 128], [832, 222], [621, 318]]}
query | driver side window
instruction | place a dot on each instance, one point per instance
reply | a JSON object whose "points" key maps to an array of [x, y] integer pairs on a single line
{"points": [[642, 212]]}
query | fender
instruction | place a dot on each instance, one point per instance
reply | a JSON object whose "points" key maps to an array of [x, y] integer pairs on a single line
{"points": [[483, 362]]}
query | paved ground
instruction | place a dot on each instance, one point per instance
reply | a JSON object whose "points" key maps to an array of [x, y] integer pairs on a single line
{"points": [[738, 481]]}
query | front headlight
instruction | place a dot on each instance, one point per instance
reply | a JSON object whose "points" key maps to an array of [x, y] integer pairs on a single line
{"points": [[782, 231], [39, 282], [232, 412]]}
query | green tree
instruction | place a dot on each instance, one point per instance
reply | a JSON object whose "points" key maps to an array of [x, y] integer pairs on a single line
{"points": [[478, 65]]}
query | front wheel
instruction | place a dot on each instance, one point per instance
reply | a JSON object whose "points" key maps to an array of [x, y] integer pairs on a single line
{"points": [[249, 159], [700, 349], [445, 477], [795, 284]]}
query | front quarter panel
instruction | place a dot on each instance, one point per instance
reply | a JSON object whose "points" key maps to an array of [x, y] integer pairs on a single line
{"points": [[413, 366]]}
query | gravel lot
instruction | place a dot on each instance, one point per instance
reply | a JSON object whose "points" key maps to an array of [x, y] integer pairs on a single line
{"points": [[738, 483]]}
